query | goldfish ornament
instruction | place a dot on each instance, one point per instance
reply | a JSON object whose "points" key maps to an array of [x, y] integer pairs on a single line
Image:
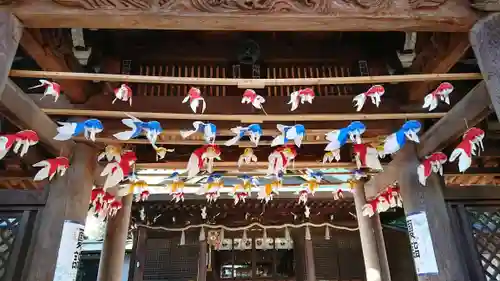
{"points": [[338, 138], [203, 156], [309, 188], [51, 89], [366, 156], [208, 130], [370, 208], [254, 131], [239, 194], [51, 167], [280, 158], [143, 196], [269, 190], [194, 97], [132, 187], [394, 196], [432, 163], [395, 141], [471, 140], [248, 182], [111, 153], [161, 152], [442, 92], [301, 96], [96, 204], [247, 157], [115, 172], [329, 156], [338, 194], [124, 93], [89, 128], [251, 97], [151, 129], [113, 207], [21, 141], [176, 188], [211, 188], [295, 133], [374, 93]]}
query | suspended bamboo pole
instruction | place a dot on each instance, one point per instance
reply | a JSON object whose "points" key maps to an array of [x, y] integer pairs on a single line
{"points": [[246, 118], [246, 83], [223, 165]]}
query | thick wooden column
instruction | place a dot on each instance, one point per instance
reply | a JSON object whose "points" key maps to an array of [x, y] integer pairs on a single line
{"points": [[202, 261], [430, 200], [309, 258], [68, 199], [138, 258], [382, 252], [11, 31], [367, 235], [113, 250]]}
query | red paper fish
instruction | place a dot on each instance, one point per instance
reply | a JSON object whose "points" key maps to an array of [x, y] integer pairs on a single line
{"points": [[442, 92], [301, 96], [21, 141], [194, 97], [204, 155], [433, 163], [50, 167], [464, 151], [366, 156], [124, 93], [116, 171], [374, 93], [280, 158], [114, 207], [250, 97], [51, 89]]}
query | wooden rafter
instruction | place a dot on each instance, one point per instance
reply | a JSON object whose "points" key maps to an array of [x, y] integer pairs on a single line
{"points": [[53, 51], [436, 53]]}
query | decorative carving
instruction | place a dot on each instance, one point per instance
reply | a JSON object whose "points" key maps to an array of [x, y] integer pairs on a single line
{"points": [[426, 4], [106, 4]]}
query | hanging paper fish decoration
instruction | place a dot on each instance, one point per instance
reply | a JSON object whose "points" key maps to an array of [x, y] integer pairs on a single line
{"points": [[208, 130], [161, 152], [280, 158], [211, 187], [366, 156], [295, 133], [394, 197], [432, 163], [251, 97], [132, 187], [267, 192], [50, 167], [194, 97], [51, 89], [329, 156], [114, 207], [338, 138], [254, 131], [143, 196], [338, 194], [370, 208], [124, 93], [96, 205], [247, 157], [395, 141], [111, 153], [301, 96], [204, 155], [248, 182], [152, 129], [89, 128], [464, 151], [374, 93], [309, 187], [442, 92], [238, 194], [21, 140], [115, 172], [176, 188]]}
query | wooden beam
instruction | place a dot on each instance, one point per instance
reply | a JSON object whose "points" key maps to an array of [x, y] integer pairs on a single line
{"points": [[485, 41], [52, 49], [468, 112], [438, 53], [16, 197], [256, 165], [400, 15], [245, 83]]}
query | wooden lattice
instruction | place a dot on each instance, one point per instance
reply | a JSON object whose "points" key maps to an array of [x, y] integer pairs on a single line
{"points": [[486, 233], [9, 225]]}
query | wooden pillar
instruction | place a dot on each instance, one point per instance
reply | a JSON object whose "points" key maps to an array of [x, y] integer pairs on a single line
{"points": [[68, 199], [202, 261], [430, 200], [11, 30], [113, 249], [138, 258], [385, 272], [309, 257], [367, 235]]}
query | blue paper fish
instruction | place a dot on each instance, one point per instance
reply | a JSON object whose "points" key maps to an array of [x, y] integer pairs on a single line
{"points": [[208, 130], [397, 140], [254, 131], [213, 178], [89, 128], [338, 138], [248, 180], [315, 175], [152, 129], [175, 176], [295, 133]]}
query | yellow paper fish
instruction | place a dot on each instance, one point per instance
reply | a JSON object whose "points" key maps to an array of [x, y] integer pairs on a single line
{"points": [[140, 185], [329, 156], [111, 153], [161, 152], [247, 157]]}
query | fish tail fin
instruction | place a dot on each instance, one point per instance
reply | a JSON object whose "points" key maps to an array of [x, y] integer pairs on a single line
{"points": [[126, 135], [421, 174], [42, 174], [187, 133], [3, 152], [193, 165], [279, 140], [430, 101], [65, 131], [232, 141], [359, 101]]}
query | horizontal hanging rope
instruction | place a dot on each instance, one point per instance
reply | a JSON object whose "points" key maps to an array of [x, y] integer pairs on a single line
{"points": [[211, 226], [245, 118], [246, 83]]}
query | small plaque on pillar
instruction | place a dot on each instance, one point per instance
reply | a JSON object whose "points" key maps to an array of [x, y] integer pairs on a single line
{"points": [[421, 244], [68, 258]]}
